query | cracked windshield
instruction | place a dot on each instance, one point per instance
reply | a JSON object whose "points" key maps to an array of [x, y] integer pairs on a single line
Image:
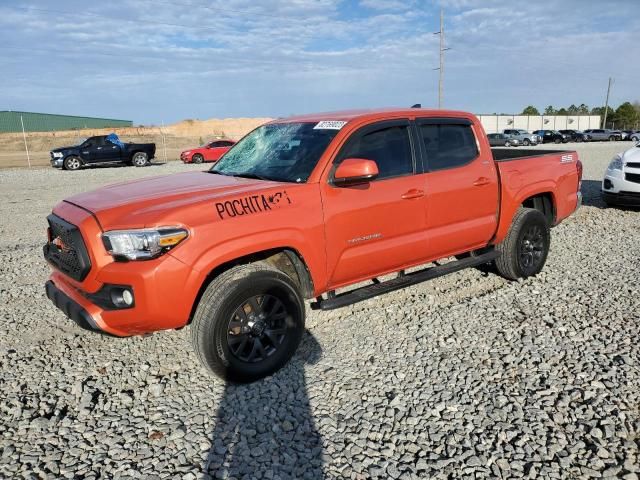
{"points": [[285, 152]]}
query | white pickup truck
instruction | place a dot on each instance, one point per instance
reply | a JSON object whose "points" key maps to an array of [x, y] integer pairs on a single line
{"points": [[621, 184]]}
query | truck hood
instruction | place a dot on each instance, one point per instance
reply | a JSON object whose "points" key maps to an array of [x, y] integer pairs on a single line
{"points": [[61, 149], [152, 201]]}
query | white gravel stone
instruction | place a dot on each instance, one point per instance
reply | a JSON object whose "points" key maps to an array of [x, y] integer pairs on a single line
{"points": [[468, 375]]}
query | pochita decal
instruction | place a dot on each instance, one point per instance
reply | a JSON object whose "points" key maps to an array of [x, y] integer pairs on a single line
{"points": [[252, 204]]}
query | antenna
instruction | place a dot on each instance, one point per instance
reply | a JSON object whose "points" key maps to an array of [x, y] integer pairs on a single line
{"points": [[442, 50]]}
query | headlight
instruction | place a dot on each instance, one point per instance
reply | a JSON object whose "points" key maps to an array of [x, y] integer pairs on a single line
{"points": [[57, 154], [616, 163], [142, 244], [187, 152]]}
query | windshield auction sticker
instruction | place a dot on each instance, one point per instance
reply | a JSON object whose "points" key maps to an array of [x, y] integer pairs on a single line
{"points": [[330, 125]]}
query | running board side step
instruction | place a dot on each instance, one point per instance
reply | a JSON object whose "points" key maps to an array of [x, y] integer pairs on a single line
{"points": [[401, 281]]}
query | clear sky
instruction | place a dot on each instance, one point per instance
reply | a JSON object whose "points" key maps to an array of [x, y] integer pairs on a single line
{"points": [[155, 61]]}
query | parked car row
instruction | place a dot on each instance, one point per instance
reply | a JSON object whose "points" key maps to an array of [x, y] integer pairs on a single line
{"points": [[513, 137]]}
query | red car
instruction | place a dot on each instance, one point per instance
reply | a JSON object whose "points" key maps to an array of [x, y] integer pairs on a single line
{"points": [[211, 152]]}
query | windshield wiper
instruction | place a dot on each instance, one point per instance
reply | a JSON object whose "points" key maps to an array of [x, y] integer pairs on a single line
{"points": [[251, 175]]}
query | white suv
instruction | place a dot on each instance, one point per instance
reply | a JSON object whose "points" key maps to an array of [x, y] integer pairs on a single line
{"points": [[621, 184]]}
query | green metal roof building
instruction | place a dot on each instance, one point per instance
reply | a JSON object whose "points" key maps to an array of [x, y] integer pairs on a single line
{"points": [[46, 122]]}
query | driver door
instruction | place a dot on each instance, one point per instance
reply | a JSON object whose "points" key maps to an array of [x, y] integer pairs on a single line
{"points": [[377, 227]]}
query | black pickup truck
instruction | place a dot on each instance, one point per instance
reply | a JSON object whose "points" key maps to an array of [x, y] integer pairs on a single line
{"points": [[102, 149]]}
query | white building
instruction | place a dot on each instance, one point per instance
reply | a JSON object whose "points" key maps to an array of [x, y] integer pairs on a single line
{"points": [[497, 123]]}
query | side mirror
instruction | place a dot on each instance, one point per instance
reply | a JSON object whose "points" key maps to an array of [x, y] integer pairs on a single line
{"points": [[355, 171]]}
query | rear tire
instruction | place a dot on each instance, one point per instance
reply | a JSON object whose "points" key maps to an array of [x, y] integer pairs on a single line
{"points": [[524, 251], [139, 159], [235, 332], [197, 158], [72, 163]]}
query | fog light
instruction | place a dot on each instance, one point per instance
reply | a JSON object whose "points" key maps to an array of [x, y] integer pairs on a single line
{"points": [[127, 298], [608, 184], [122, 298]]}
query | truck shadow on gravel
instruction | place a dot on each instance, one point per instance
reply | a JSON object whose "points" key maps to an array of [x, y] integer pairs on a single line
{"points": [[266, 429], [591, 196]]}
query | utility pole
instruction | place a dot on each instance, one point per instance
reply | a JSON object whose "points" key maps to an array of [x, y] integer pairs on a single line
{"points": [[442, 50], [606, 104], [24, 136]]}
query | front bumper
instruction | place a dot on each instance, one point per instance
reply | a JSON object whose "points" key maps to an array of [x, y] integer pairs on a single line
{"points": [[185, 158], [57, 162], [624, 199], [71, 308], [164, 288], [162, 300], [618, 190]]}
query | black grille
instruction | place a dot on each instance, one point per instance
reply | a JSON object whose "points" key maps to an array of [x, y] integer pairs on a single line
{"points": [[66, 250], [632, 177], [633, 164]]}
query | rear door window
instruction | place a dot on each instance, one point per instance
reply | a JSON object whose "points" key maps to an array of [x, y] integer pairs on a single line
{"points": [[448, 145]]}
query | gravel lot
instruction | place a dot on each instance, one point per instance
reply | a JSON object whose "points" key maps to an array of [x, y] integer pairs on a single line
{"points": [[465, 376]]}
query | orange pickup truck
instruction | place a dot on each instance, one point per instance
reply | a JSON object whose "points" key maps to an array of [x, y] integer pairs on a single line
{"points": [[303, 208]]}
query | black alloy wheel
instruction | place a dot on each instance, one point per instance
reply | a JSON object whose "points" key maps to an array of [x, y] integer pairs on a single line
{"points": [[531, 249], [257, 328]]}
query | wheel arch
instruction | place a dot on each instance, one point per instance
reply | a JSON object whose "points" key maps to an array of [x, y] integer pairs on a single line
{"points": [[286, 259], [544, 202], [540, 196]]}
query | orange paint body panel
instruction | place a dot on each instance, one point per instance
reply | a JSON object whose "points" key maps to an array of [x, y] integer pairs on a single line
{"points": [[343, 234]]}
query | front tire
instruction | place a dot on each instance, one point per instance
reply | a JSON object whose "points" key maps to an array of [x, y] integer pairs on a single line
{"points": [[524, 251], [526, 142], [248, 323], [557, 140], [72, 163], [507, 143], [612, 138], [139, 159], [197, 158]]}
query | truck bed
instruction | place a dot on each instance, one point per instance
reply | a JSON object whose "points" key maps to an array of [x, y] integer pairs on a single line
{"points": [[524, 173], [507, 154]]}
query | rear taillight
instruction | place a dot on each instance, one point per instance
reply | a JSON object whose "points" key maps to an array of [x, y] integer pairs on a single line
{"points": [[579, 169]]}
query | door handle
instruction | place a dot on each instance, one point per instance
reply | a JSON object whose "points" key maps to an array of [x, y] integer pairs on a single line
{"points": [[413, 193], [481, 181]]}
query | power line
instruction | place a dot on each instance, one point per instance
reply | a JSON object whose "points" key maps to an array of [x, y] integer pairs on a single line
{"points": [[101, 16], [231, 61], [220, 9], [166, 24]]}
